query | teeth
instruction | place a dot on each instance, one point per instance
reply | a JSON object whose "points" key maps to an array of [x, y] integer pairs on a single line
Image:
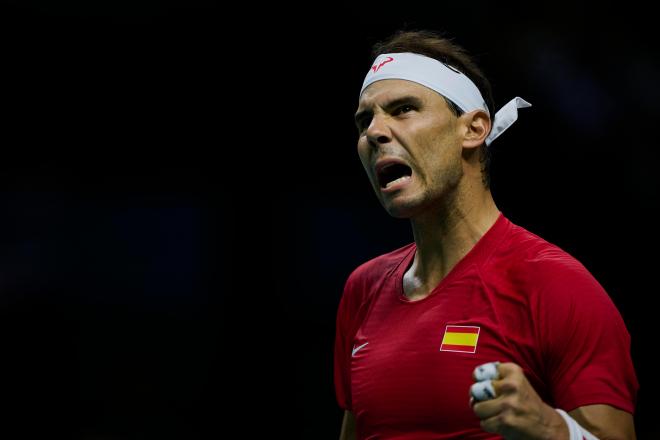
{"points": [[400, 179]]}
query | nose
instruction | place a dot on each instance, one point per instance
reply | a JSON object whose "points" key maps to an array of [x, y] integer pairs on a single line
{"points": [[378, 131]]}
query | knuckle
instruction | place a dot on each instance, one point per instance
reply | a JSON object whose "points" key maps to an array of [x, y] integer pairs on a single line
{"points": [[512, 367], [506, 405], [507, 419], [509, 385]]}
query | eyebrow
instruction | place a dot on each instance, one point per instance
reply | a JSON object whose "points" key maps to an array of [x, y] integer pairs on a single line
{"points": [[389, 106]]}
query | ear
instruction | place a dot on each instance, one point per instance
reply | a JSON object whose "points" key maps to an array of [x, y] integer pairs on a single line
{"points": [[476, 126]]}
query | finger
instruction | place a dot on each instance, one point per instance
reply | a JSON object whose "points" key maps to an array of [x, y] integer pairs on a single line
{"points": [[486, 371], [506, 369], [487, 409], [483, 390]]}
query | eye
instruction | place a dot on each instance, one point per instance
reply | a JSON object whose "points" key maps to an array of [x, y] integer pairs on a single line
{"points": [[404, 109], [362, 123]]}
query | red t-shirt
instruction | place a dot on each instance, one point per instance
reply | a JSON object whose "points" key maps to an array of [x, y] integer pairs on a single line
{"points": [[404, 367]]}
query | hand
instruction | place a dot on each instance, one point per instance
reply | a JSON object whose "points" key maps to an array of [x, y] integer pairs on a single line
{"points": [[516, 411]]}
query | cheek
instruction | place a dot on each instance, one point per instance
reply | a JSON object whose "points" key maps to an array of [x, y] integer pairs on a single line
{"points": [[363, 152], [438, 163]]}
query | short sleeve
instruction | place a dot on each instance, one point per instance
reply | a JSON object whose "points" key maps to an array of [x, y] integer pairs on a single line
{"points": [[584, 340]]}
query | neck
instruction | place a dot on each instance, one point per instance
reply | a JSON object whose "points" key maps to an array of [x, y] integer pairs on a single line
{"points": [[444, 235]]}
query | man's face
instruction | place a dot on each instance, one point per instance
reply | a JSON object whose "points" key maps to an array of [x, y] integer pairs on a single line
{"points": [[409, 145]]}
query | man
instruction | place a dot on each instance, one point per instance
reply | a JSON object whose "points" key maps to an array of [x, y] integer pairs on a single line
{"points": [[478, 329]]}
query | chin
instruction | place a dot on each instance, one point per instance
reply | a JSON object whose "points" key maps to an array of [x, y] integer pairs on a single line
{"points": [[401, 210]]}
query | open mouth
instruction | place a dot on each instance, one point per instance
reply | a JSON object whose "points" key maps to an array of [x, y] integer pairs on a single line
{"points": [[392, 174]]}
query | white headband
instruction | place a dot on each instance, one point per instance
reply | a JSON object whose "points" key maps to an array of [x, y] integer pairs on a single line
{"points": [[447, 81]]}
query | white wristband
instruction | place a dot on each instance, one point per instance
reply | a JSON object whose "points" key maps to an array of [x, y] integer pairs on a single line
{"points": [[575, 431]]}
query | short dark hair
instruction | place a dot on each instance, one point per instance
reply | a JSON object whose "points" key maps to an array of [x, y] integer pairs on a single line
{"points": [[433, 45]]}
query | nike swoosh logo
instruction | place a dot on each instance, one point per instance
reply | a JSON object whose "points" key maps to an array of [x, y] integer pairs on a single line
{"points": [[356, 349]]}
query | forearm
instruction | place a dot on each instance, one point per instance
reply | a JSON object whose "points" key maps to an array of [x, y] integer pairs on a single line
{"points": [[605, 422]]}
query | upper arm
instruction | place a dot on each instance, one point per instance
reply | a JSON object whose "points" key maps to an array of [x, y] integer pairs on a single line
{"points": [[584, 343], [347, 427], [605, 422]]}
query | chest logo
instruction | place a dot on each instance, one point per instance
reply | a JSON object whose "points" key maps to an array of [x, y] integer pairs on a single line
{"points": [[460, 338]]}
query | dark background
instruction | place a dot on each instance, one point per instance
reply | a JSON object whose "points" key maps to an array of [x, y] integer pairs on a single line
{"points": [[182, 200]]}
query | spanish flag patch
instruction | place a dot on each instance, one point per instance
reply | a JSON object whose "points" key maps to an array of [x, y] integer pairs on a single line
{"points": [[460, 338]]}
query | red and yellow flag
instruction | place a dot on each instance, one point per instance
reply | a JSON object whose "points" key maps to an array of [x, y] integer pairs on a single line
{"points": [[460, 338]]}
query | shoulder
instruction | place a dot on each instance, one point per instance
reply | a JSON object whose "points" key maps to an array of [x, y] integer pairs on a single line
{"points": [[541, 261], [536, 250], [553, 279], [542, 275]]}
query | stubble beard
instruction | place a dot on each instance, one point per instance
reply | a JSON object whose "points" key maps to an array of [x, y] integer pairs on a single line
{"points": [[438, 196]]}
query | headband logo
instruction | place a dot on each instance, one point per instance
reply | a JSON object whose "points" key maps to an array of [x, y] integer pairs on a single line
{"points": [[376, 68]]}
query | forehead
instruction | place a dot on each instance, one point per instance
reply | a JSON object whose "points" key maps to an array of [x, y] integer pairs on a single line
{"points": [[388, 90]]}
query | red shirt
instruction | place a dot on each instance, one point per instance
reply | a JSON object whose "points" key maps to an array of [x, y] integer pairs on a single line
{"points": [[520, 298]]}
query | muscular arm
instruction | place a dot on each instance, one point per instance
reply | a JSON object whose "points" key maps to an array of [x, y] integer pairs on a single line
{"points": [[605, 422], [348, 427]]}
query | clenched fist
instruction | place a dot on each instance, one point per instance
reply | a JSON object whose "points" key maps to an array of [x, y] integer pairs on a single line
{"points": [[508, 405]]}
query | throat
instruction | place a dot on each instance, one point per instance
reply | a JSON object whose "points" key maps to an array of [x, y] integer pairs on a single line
{"points": [[423, 277]]}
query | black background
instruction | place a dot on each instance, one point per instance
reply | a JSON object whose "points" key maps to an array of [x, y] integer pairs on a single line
{"points": [[182, 200]]}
